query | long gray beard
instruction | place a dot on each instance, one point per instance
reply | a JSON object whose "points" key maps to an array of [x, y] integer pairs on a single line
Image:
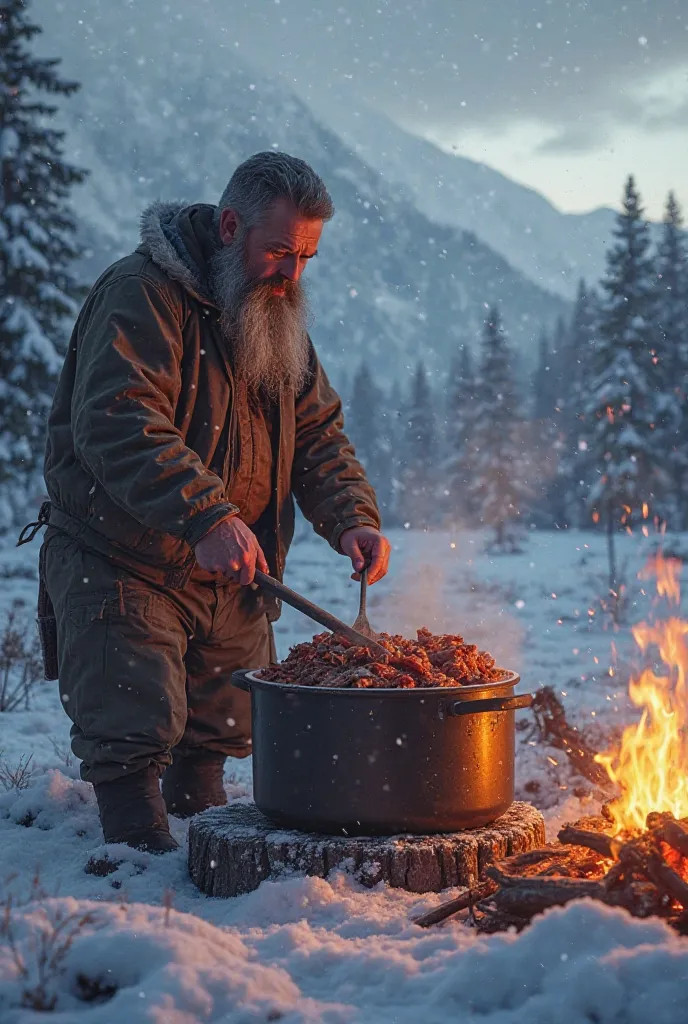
{"points": [[266, 332]]}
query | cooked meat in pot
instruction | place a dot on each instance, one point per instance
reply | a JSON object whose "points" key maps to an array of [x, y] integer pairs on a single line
{"points": [[430, 660]]}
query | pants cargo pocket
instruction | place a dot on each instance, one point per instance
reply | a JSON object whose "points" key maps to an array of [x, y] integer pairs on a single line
{"points": [[122, 678], [82, 660]]}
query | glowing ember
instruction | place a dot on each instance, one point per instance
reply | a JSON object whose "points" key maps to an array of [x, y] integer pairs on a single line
{"points": [[651, 766]]}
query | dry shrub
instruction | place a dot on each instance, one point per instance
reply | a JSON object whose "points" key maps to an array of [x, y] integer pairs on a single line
{"points": [[41, 961], [16, 777], [21, 665]]}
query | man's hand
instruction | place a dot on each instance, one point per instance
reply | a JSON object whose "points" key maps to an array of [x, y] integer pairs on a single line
{"points": [[232, 549], [366, 546]]}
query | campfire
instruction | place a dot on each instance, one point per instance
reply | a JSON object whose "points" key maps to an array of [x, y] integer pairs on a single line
{"points": [[635, 855], [651, 766]]}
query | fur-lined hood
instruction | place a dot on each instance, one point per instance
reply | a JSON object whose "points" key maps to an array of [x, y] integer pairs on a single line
{"points": [[179, 239]]}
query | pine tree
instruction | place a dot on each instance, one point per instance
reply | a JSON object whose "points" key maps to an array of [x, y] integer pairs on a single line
{"points": [[460, 411], [395, 433], [419, 455], [545, 426], [672, 320], [38, 288], [368, 427], [577, 363], [559, 386], [622, 411], [497, 460], [543, 382]]}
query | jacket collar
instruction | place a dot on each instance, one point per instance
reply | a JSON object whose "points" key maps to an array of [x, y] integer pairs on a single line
{"points": [[178, 238]]}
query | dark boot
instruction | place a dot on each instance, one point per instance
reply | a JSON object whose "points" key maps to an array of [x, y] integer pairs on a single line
{"points": [[132, 811], [194, 782]]}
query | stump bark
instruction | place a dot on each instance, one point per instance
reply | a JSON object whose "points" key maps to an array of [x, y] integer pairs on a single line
{"points": [[233, 849]]}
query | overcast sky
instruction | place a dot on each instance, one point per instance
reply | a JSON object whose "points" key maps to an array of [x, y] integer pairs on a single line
{"points": [[568, 96]]}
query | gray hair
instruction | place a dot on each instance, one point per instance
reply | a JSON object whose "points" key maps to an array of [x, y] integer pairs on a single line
{"points": [[265, 177]]}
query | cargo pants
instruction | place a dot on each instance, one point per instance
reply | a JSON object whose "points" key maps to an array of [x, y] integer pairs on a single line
{"points": [[143, 669]]}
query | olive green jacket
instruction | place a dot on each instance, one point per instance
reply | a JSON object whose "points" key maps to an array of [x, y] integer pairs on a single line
{"points": [[139, 458]]}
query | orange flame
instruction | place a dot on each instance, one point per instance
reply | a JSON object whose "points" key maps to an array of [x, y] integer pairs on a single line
{"points": [[651, 766]]}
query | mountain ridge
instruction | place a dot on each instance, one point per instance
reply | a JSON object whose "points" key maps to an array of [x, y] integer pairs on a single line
{"points": [[512, 218], [391, 286]]}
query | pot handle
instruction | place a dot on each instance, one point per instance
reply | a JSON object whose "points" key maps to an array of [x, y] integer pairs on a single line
{"points": [[477, 707], [239, 680]]}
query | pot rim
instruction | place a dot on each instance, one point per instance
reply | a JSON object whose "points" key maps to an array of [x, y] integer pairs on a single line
{"points": [[451, 692]]}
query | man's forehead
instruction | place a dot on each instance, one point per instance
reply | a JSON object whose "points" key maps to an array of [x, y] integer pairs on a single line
{"points": [[283, 223]]}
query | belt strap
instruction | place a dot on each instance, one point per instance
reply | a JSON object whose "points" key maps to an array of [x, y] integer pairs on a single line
{"points": [[31, 529]]}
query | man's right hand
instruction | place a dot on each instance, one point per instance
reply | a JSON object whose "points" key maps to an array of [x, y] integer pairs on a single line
{"points": [[231, 549]]}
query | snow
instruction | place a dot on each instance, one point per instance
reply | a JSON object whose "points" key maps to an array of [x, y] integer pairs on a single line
{"points": [[9, 143], [308, 949]]}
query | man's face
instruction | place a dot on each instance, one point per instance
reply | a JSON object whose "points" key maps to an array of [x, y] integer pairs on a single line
{"points": [[278, 249], [255, 281]]}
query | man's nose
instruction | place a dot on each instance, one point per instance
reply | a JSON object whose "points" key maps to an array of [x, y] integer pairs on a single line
{"points": [[291, 267]]}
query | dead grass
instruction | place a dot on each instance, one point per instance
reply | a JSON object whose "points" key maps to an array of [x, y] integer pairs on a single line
{"points": [[16, 777], [63, 753], [21, 665], [40, 960]]}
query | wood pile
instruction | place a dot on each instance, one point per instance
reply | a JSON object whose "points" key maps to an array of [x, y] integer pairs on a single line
{"points": [[646, 874]]}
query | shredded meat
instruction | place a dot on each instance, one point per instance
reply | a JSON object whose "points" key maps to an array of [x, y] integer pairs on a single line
{"points": [[429, 660]]}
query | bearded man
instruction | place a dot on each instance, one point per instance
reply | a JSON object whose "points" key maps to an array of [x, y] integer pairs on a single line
{"points": [[191, 411]]}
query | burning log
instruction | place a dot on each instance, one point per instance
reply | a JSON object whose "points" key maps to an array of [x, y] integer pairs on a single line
{"points": [[639, 880], [526, 896], [549, 853], [675, 834], [639, 898], [615, 877], [664, 877], [600, 842]]}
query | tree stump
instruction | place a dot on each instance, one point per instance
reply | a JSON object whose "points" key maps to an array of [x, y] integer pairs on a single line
{"points": [[233, 849]]}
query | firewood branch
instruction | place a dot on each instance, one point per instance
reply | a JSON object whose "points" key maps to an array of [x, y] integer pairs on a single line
{"points": [[664, 877], [675, 834], [600, 842], [525, 896], [445, 910], [554, 729]]}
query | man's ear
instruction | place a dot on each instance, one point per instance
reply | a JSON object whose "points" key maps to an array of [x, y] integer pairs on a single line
{"points": [[229, 225]]}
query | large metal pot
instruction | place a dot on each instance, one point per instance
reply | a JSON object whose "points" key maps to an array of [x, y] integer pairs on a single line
{"points": [[383, 761]]}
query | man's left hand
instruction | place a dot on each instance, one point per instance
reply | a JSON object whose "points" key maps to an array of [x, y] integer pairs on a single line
{"points": [[366, 546]]}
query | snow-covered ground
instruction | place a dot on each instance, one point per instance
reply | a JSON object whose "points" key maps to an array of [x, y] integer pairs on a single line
{"points": [[143, 945]]}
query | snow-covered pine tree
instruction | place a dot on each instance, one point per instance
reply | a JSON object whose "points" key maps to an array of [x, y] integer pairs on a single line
{"points": [[576, 361], [387, 451], [497, 460], [545, 428], [544, 382], [418, 456], [395, 432], [672, 320], [38, 288], [368, 426], [624, 402], [560, 384], [460, 412]]}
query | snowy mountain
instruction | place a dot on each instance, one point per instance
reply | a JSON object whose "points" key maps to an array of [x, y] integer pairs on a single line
{"points": [[390, 285], [552, 248]]}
